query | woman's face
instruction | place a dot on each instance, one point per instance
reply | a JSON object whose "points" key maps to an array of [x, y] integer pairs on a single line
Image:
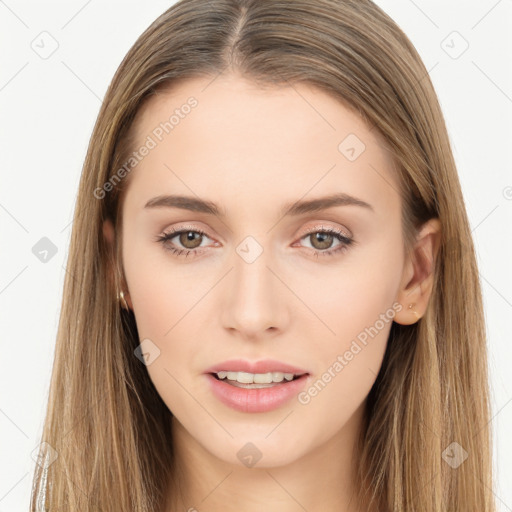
{"points": [[263, 270]]}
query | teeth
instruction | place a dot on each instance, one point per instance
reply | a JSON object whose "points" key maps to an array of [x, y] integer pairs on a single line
{"points": [[257, 378]]}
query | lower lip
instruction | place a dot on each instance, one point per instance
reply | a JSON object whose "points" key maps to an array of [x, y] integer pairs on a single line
{"points": [[256, 400]]}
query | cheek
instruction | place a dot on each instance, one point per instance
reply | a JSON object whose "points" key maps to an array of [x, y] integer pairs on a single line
{"points": [[359, 311], [166, 299], [160, 290], [163, 315], [350, 296], [348, 369]]}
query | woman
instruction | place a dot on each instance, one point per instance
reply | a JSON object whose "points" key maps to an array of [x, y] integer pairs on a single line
{"points": [[274, 301]]}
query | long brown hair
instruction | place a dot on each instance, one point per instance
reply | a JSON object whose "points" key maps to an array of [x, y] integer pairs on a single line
{"points": [[106, 437]]}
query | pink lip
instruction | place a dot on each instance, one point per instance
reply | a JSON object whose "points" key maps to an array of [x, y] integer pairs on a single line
{"points": [[264, 366], [256, 400]]}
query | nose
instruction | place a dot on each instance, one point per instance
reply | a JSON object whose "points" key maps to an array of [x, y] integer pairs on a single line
{"points": [[255, 302]]}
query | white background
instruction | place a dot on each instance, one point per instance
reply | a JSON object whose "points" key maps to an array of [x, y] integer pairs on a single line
{"points": [[48, 108]]}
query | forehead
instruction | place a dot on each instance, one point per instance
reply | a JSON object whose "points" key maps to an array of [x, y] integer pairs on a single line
{"points": [[227, 135], [226, 103]]}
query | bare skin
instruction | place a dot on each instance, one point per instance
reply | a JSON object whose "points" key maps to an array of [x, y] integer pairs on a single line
{"points": [[251, 151]]}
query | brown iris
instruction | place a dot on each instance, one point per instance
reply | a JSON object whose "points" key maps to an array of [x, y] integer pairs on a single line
{"points": [[325, 240], [190, 237]]}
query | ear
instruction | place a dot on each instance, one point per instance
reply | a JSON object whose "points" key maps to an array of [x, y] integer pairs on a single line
{"points": [[109, 235], [418, 275]]}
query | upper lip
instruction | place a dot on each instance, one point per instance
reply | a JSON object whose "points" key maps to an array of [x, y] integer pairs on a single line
{"points": [[263, 366]]}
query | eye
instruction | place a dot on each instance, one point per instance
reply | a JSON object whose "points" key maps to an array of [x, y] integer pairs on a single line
{"points": [[322, 238], [189, 239]]}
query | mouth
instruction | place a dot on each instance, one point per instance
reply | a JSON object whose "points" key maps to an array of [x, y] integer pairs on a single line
{"points": [[256, 386], [252, 396]]}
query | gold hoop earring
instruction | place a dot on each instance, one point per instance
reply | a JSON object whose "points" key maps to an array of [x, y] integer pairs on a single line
{"points": [[122, 300]]}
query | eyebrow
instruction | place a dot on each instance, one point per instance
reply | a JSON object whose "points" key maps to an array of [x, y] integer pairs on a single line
{"points": [[296, 208]]}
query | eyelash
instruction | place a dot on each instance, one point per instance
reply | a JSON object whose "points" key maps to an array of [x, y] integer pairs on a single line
{"points": [[345, 241]]}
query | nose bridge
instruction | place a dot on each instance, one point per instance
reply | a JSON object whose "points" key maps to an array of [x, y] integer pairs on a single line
{"points": [[253, 304]]}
